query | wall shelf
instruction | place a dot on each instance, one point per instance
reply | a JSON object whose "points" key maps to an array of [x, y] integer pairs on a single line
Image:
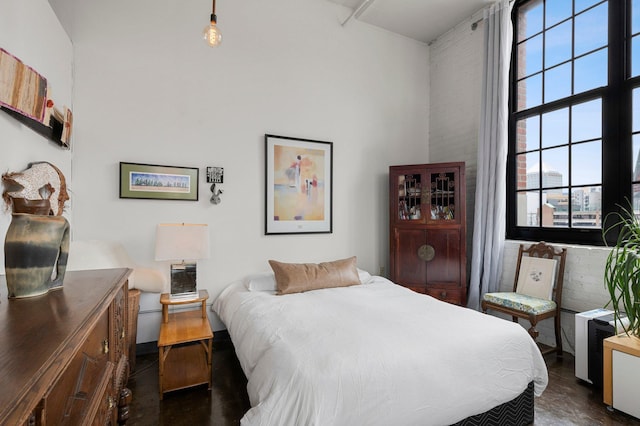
{"points": [[53, 131]]}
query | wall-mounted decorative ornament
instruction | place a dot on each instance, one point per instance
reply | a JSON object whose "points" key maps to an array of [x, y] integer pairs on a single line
{"points": [[215, 194], [215, 175]]}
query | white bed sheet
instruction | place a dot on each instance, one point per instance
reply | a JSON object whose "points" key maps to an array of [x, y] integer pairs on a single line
{"points": [[373, 354]]}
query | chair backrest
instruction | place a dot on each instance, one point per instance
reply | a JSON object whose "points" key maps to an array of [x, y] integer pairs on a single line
{"points": [[544, 251]]}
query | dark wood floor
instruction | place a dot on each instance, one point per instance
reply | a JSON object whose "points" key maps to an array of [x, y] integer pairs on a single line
{"points": [[566, 401]]}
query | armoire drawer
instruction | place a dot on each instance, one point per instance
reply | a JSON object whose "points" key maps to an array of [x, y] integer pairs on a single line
{"points": [[451, 295]]}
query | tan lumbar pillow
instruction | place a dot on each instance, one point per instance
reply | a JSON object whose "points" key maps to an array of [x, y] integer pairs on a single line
{"points": [[299, 277]]}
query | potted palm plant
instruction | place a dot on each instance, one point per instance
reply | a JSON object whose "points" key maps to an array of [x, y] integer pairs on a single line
{"points": [[622, 270]]}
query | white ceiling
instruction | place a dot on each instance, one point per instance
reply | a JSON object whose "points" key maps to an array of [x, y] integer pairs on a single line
{"points": [[422, 20]]}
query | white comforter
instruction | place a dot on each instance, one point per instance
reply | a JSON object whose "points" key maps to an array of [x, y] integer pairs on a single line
{"points": [[373, 354]]}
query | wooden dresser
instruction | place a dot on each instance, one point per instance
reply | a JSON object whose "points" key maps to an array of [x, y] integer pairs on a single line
{"points": [[63, 355]]}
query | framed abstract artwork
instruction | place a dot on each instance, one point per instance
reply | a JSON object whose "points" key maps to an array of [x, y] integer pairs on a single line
{"points": [[150, 181], [299, 186]]}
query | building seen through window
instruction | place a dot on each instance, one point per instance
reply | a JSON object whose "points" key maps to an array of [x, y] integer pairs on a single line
{"points": [[553, 210]]}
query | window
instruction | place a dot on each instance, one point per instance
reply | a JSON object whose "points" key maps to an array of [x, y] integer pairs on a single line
{"points": [[574, 130]]}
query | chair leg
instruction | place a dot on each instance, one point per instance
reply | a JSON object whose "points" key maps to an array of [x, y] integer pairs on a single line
{"points": [[558, 336], [514, 318], [532, 330]]}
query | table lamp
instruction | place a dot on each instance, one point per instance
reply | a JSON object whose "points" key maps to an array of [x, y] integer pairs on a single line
{"points": [[187, 242]]}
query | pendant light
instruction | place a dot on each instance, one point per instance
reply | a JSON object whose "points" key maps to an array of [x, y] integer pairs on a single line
{"points": [[211, 34]]}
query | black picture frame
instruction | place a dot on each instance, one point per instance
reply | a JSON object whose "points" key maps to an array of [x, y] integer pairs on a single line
{"points": [[298, 185], [158, 182]]}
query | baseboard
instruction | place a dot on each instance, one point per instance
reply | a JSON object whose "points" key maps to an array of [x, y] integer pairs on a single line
{"points": [[146, 348]]}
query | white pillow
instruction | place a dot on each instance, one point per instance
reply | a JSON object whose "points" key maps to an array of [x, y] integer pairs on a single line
{"points": [[265, 281], [363, 275]]}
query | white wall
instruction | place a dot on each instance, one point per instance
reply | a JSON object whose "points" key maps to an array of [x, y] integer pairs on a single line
{"points": [[456, 73], [30, 31], [148, 90]]}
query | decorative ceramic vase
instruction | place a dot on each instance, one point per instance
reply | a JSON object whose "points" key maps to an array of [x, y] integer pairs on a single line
{"points": [[23, 205], [36, 249]]}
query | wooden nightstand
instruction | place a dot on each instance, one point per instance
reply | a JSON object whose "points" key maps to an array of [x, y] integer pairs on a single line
{"points": [[621, 372], [184, 345]]}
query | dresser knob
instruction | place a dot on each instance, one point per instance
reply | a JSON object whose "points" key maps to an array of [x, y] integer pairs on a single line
{"points": [[105, 346], [443, 294]]}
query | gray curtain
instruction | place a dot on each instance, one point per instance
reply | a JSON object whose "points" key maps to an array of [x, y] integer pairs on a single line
{"points": [[489, 217]]}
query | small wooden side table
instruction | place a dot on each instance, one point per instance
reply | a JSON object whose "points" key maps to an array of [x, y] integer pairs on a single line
{"points": [[184, 345], [621, 372]]}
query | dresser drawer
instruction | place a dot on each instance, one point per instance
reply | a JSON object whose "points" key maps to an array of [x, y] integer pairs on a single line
{"points": [[451, 295], [119, 341], [69, 401], [103, 408]]}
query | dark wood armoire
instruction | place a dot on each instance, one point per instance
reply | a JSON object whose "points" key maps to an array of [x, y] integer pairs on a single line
{"points": [[427, 225]]}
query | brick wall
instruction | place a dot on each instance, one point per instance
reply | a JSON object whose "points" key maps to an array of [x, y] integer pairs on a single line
{"points": [[455, 79]]}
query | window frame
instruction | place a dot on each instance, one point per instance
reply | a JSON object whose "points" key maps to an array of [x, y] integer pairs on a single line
{"points": [[616, 132]]}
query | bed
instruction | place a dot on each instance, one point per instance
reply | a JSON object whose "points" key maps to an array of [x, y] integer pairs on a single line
{"points": [[376, 354]]}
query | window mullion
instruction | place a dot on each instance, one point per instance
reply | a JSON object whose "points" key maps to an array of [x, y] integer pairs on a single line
{"points": [[617, 110]]}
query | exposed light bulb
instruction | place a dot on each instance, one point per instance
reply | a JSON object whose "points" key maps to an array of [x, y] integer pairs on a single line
{"points": [[212, 34]]}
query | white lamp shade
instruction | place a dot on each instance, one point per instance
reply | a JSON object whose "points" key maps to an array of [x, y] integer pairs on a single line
{"points": [[182, 241]]}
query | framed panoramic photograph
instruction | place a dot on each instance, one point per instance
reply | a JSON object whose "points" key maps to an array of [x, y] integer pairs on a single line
{"points": [[150, 181], [299, 185]]}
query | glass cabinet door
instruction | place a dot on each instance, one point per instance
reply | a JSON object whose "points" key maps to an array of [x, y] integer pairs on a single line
{"points": [[442, 195], [410, 194], [427, 195]]}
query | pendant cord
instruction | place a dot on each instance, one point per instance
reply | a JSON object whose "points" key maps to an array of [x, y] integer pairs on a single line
{"points": [[214, 18]]}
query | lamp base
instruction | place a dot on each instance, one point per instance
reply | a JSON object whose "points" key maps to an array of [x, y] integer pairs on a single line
{"points": [[183, 281], [183, 297]]}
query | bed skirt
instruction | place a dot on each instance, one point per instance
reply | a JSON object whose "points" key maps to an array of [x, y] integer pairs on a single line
{"points": [[517, 412]]}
